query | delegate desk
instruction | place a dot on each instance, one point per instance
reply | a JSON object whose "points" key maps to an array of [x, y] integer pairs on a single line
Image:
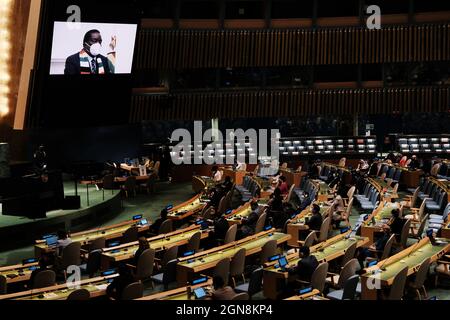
{"points": [[18, 273], [293, 177], [409, 178], [385, 271], [86, 237], [237, 176], [276, 279], [161, 242], [95, 286], [179, 293], [187, 209], [235, 217], [298, 224], [208, 259], [380, 216]]}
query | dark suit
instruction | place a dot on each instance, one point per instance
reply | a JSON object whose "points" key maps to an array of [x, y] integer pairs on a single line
{"points": [[154, 228], [115, 289], [73, 64], [306, 268], [315, 222]]}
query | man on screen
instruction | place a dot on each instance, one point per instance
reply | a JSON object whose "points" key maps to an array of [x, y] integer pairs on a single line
{"points": [[89, 60]]}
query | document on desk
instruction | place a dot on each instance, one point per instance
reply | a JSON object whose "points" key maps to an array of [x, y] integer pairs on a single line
{"points": [[102, 287]]}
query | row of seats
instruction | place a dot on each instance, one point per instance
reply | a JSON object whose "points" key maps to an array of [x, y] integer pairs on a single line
{"points": [[327, 172], [437, 197], [436, 221], [249, 189], [369, 199]]}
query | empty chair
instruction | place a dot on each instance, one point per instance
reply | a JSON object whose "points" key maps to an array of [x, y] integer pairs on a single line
{"points": [[3, 285], [194, 242], [413, 199], [268, 250], [97, 244], [133, 291], [166, 227], [350, 194], [222, 269], [230, 236], [129, 186], [237, 266], [254, 285], [44, 279], [144, 268], [405, 234], [222, 208], [241, 296], [130, 235], [417, 233], [93, 263], [319, 277], [79, 295], [420, 277], [348, 292], [348, 270], [168, 274], [398, 285], [208, 214], [260, 223]]}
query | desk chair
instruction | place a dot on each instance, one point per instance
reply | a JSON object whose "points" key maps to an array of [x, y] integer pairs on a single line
{"points": [[79, 295], [324, 229], [149, 185], [318, 278], [129, 186], [144, 268], [254, 285], [93, 263], [222, 270], [3, 285], [417, 233], [237, 266], [222, 208], [310, 240], [168, 274], [194, 242], [71, 256], [386, 253], [208, 213], [348, 292], [349, 254], [442, 270], [260, 223], [419, 279], [349, 270], [169, 255], [240, 296], [230, 236], [412, 199], [44, 279], [268, 250], [166, 227], [133, 291], [404, 236]]}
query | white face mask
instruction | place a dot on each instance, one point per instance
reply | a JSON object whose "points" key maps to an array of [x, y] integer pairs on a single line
{"points": [[95, 49]]}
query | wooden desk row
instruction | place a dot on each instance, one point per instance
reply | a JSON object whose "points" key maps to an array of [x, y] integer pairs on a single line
{"points": [[85, 237], [18, 273], [386, 191], [161, 242], [380, 216], [346, 173], [181, 293], [275, 279], [237, 176], [208, 259], [409, 178], [293, 177], [235, 217], [411, 257], [323, 191], [202, 183]]}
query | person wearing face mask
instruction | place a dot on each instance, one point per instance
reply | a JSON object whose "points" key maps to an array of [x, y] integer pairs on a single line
{"points": [[90, 60]]}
